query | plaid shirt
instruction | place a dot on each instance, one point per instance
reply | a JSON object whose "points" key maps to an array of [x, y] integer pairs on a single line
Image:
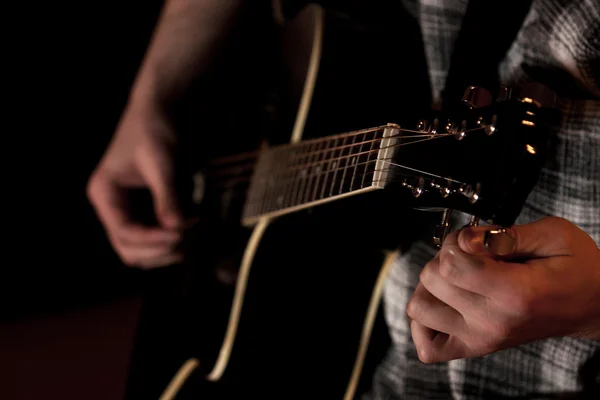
{"points": [[561, 37]]}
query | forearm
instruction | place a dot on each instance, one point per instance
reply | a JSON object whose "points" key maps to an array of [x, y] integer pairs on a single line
{"points": [[187, 35]]}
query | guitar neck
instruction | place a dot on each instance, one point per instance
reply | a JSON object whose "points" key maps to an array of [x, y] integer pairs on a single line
{"points": [[293, 177]]}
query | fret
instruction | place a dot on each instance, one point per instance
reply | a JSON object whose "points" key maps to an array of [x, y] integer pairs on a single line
{"points": [[357, 159], [271, 181], [313, 169], [330, 165], [260, 184], [368, 161], [321, 168], [303, 172], [291, 176], [348, 160], [299, 158], [279, 185], [336, 164]]}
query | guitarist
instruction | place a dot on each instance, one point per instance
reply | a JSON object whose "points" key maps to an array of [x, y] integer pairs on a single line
{"points": [[464, 321]]}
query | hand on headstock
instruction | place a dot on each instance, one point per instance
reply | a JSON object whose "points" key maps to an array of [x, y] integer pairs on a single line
{"points": [[472, 301], [515, 155]]}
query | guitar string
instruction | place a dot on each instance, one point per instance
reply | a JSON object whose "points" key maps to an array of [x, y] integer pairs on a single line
{"points": [[235, 182], [236, 167], [270, 190], [355, 133], [428, 137], [308, 143], [217, 371], [396, 177], [250, 166]]}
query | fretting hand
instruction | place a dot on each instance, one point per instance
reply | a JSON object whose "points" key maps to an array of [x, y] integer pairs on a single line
{"points": [[471, 302]]}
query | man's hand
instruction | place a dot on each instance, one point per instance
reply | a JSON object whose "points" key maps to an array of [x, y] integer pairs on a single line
{"points": [[471, 302], [140, 156]]}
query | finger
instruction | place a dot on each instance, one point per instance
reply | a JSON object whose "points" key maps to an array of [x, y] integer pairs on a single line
{"points": [[422, 337], [162, 261], [436, 346], [135, 255], [547, 237], [463, 301], [475, 273], [110, 204], [157, 169], [429, 311]]}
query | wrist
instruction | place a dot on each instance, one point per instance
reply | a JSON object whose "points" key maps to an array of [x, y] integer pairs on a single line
{"points": [[146, 95]]}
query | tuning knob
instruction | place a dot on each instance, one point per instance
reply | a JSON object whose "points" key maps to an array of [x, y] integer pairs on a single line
{"points": [[442, 229], [538, 94], [504, 93], [477, 97], [473, 221]]}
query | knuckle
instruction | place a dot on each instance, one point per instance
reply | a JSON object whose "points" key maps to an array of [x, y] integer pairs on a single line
{"points": [[426, 355], [445, 253], [562, 230], [415, 309], [448, 269], [426, 275], [91, 187]]}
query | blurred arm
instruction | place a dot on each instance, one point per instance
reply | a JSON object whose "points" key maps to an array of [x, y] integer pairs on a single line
{"points": [[187, 36]]}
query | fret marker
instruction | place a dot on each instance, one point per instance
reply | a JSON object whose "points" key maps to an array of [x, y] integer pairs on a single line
{"points": [[303, 173], [279, 200]]}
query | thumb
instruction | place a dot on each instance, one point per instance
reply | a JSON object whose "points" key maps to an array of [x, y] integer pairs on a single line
{"points": [[157, 170], [546, 237]]}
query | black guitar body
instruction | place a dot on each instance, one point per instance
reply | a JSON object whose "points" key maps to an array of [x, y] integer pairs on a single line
{"points": [[314, 271]]}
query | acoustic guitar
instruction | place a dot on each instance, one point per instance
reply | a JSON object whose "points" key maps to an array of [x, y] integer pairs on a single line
{"points": [[482, 161]]}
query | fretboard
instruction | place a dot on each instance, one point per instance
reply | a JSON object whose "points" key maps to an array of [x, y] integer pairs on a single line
{"points": [[292, 177]]}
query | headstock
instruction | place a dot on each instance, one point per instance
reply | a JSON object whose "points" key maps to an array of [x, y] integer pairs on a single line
{"points": [[484, 161]]}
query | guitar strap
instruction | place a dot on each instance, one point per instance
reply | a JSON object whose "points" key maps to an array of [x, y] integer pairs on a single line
{"points": [[489, 28]]}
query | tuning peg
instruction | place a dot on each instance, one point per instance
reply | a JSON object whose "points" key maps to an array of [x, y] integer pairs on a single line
{"points": [[538, 94], [419, 187], [473, 221], [504, 93], [477, 97], [442, 229], [471, 193]]}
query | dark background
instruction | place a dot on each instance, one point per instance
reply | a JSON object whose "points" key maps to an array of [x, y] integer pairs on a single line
{"points": [[73, 67]]}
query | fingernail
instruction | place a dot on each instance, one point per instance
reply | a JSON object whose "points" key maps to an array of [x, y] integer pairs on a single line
{"points": [[471, 238], [499, 242]]}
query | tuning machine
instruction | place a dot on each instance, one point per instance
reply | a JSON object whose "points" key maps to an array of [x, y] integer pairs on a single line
{"points": [[442, 229], [432, 128], [417, 188], [537, 94], [473, 221], [445, 190], [477, 97], [470, 192]]}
